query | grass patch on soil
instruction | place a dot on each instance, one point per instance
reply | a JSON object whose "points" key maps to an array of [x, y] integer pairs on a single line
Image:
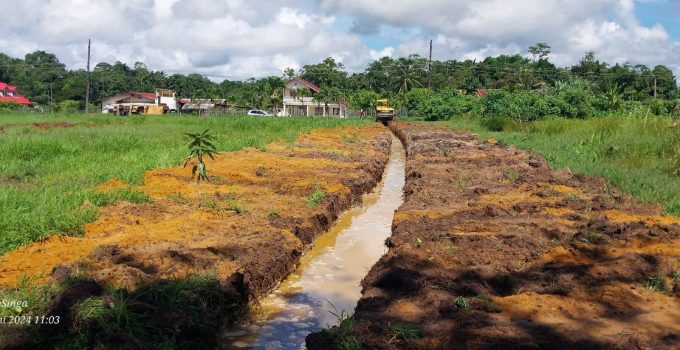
{"points": [[639, 157], [175, 314], [48, 175], [316, 197]]}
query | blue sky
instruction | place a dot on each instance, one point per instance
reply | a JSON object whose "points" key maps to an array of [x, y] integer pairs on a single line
{"points": [[665, 12], [239, 39]]}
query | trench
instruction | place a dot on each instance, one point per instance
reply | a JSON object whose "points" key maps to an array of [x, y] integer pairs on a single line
{"points": [[327, 279]]}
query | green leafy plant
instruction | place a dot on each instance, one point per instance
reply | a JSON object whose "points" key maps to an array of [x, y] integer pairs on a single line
{"points": [[316, 197], [200, 144], [461, 303]]}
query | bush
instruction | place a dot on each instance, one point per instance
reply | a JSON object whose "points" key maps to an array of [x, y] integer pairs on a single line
{"points": [[437, 108], [676, 109], [576, 103], [495, 123], [6, 106], [415, 99], [527, 106], [68, 106]]}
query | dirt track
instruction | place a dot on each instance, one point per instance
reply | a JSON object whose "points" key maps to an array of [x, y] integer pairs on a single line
{"points": [[493, 250]]}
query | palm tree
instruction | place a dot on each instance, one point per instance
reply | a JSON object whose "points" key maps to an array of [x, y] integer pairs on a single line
{"points": [[406, 75], [200, 144]]}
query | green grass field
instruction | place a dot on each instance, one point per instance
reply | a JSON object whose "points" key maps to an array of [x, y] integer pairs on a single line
{"points": [[47, 175], [641, 158]]}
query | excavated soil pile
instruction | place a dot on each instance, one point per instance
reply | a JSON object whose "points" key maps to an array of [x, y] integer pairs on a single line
{"points": [[257, 215], [492, 249]]}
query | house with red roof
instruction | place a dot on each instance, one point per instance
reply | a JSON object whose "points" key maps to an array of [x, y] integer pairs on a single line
{"points": [[9, 93], [298, 100]]}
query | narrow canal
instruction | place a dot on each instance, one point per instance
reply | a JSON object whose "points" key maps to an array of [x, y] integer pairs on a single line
{"points": [[328, 276]]}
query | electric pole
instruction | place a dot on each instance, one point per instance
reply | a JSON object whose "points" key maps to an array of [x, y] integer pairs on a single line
{"points": [[655, 88], [87, 82], [429, 73]]}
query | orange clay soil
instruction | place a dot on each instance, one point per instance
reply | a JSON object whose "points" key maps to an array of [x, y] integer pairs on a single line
{"points": [[254, 221], [493, 250]]}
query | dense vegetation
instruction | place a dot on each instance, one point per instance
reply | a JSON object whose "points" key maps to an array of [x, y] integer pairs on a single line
{"points": [[46, 175], [539, 87]]}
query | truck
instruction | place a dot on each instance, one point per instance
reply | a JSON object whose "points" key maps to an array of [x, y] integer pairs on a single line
{"points": [[383, 112]]}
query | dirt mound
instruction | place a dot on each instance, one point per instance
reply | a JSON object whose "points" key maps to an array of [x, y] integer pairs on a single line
{"points": [[255, 216], [492, 249]]}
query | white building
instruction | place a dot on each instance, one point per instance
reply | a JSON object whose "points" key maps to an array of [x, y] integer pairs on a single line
{"points": [[298, 100], [138, 100]]}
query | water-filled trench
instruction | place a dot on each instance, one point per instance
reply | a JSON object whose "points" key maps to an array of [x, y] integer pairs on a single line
{"points": [[328, 276]]}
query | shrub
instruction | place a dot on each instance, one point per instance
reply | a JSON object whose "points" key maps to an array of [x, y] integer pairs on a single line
{"points": [[68, 106], [437, 108], [576, 103], [676, 109], [6, 106], [521, 107], [495, 123]]}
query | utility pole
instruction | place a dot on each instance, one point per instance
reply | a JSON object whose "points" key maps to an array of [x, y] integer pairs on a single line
{"points": [[655, 88], [429, 73], [87, 82]]}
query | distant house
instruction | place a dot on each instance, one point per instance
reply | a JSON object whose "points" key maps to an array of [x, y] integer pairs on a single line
{"points": [[134, 101], [298, 100], [9, 93]]}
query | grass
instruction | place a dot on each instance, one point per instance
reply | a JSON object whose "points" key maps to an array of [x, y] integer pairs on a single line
{"points": [[342, 335], [402, 332], [641, 158], [176, 314], [47, 175], [512, 176], [35, 296], [316, 197], [656, 283]]}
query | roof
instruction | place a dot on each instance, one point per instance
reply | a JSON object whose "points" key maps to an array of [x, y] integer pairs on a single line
{"points": [[481, 92], [146, 95], [305, 83], [17, 96], [17, 99], [149, 95]]}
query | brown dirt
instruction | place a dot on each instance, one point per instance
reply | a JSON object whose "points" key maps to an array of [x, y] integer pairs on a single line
{"points": [[543, 259], [54, 125], [254, 218]]}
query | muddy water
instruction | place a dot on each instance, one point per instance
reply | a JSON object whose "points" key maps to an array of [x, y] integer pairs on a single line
{"points": [[328, 276]]}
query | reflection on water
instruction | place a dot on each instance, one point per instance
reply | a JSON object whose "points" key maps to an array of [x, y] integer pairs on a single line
{"points": [[329, 274]]}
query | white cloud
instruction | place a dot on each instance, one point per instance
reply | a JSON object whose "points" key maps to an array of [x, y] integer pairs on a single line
{"points": [[237, 39]]}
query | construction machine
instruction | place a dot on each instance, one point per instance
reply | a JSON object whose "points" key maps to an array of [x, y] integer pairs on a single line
{"points": [[383, 112]]}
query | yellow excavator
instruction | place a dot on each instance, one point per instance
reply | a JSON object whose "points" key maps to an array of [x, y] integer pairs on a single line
{"points": [[383, 112]]}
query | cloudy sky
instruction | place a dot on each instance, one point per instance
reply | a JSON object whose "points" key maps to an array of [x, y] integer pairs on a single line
{"points": [[238, 39]]}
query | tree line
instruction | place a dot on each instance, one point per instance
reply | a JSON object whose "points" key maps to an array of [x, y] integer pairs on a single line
{"points": [[43, 79]]}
